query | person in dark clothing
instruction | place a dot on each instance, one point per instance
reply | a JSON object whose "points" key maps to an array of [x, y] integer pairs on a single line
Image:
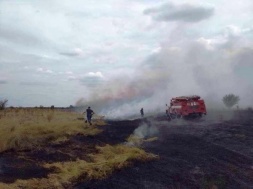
{"points": [[142, 112], [89, 112]]}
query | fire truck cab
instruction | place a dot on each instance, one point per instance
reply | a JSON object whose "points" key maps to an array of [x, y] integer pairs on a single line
{"points": [[186, 106]]}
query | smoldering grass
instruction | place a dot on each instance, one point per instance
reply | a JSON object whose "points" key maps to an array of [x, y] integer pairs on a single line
{"points": [[134, 140]]}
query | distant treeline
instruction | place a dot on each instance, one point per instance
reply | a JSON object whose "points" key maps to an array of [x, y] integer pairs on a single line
{"points": [[71, 107]]}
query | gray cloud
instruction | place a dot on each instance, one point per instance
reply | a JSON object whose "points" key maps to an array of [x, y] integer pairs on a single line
{"points": [[91, 81], [36, 83], [18, 36], [2, 81], [184, 13], [70, 54]]}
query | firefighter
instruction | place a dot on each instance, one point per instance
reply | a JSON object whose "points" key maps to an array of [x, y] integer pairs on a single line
{"points": [[89, 112], [142, 112]]}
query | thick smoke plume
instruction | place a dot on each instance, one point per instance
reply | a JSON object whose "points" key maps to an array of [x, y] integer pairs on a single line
{"points": [[183, 67]]}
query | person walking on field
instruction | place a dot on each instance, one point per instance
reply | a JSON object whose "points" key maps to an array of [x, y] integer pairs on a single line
{"points": [[142, 112], [89, 112]]}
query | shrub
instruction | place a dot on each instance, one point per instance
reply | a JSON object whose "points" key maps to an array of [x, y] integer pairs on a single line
{"points": [[230, 100], [3, 104]]}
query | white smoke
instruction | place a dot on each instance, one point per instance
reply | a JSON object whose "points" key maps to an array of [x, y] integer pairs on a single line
{"points": [[210, 68], [194, 70], [146, 130]]}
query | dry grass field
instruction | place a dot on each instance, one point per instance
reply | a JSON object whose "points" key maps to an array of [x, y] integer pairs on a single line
{"points": [[23, 128], [43, 148], [26, 131]]}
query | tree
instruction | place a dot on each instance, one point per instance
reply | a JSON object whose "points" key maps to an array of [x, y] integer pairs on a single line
{"points": [[3, 104], [230, 100]]}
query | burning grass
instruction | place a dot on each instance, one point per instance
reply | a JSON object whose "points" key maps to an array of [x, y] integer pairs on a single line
{"points": [[109, 159], [27, 128]]}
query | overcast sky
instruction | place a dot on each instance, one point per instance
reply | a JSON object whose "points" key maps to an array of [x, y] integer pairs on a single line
{"points": [[118, 56]]}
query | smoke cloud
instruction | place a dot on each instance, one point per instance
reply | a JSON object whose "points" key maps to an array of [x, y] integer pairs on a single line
{"points": [[190, 68], [208, 67]]}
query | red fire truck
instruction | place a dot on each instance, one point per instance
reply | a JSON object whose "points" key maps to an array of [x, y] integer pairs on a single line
{"points": [[186, 106]]}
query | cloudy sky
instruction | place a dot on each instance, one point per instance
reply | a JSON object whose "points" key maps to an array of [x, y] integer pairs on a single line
{"points": [[118, 56]]}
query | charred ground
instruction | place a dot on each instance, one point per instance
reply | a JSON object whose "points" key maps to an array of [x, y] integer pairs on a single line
{"points": [[207, 153], [213, 152]]}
